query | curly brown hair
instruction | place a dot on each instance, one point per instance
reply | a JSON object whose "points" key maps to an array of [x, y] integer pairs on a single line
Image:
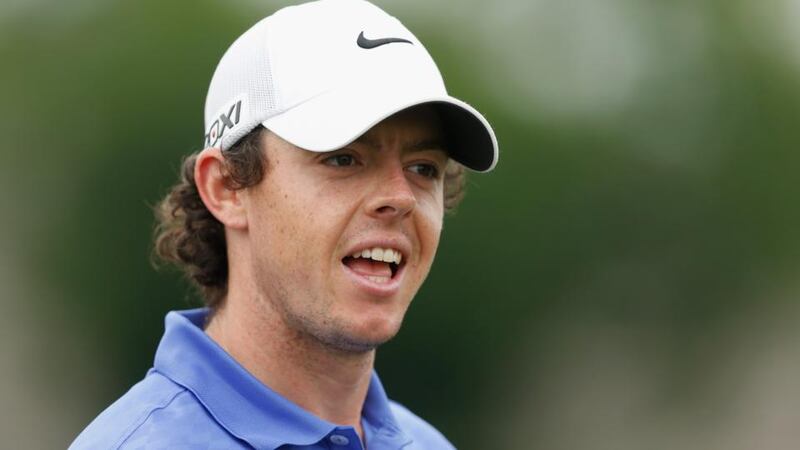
{"points": [[188, 236]]}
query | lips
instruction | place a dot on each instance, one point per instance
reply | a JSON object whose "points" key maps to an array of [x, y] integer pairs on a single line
{"points": [[378, 268], [377, 264], [378, 272]]}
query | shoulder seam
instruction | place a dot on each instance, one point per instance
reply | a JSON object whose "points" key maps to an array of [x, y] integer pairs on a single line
{"points": [[143, 419]]}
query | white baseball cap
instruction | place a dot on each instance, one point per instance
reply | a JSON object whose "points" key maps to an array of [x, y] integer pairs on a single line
{"points": [[321, 74]]}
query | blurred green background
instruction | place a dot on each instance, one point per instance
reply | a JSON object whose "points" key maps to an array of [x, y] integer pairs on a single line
{"points": [[626, 278]]}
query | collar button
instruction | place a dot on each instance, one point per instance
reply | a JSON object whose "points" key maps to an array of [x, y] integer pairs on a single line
{"points": [[338, 439]]}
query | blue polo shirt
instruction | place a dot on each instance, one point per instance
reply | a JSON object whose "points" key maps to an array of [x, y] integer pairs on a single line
{"points": [[197, 397]]}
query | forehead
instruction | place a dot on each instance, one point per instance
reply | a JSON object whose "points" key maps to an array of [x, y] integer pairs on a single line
{"points": [[416, 125], [414, 129]]}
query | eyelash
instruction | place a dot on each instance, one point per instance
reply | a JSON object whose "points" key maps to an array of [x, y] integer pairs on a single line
{"points": [[432, 170], [334, 160]]}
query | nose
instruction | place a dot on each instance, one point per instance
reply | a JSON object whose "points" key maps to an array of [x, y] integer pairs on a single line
{"points": [[392, 196]]}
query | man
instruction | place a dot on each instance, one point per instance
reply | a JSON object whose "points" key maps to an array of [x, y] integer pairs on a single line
{"points": [[309, 222]]}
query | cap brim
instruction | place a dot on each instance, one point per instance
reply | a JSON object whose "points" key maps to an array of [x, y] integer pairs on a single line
{"points": [[333, 119]]}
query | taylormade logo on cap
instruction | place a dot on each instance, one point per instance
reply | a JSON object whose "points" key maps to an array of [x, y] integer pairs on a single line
{"points": [[321, 74]]}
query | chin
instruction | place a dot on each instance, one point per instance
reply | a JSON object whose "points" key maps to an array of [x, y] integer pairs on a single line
{"points": [[361, 338]]}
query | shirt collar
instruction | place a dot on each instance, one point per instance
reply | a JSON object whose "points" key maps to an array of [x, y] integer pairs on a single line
{"points": [[243, 405]]}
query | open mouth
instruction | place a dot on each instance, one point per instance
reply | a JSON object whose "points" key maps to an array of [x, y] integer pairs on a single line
{"points": [[379, 265]]}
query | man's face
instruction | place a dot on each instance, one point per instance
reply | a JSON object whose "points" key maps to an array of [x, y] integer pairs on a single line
{"points": [[319, 222]]}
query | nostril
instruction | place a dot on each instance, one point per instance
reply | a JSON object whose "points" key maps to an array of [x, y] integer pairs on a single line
{"points": [[389, 201]]}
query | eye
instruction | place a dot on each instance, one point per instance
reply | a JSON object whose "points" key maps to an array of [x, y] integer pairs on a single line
{"points": [[340, 160], [426, 170]]}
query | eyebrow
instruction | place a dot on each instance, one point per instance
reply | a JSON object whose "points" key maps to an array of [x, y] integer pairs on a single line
{"points": [[414, 146]]}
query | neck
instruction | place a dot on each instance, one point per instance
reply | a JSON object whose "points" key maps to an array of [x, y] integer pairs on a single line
{"points": [[329, 383]]}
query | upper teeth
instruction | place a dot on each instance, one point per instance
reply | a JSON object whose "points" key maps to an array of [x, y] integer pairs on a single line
{"points": [[380, 254]]}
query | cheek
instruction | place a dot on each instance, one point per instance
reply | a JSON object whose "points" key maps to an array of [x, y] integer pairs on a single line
{"points": [[296, 223], [273, 223], [429, 226]]}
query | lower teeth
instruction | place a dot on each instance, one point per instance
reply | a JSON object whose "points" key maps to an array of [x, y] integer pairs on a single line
{"points": [[380, 280]]}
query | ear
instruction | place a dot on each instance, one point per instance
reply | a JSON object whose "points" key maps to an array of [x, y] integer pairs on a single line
{"points": [[222, 201]]}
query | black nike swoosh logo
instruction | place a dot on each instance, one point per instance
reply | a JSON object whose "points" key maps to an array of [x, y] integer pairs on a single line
{"points": [[372, 43]]}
